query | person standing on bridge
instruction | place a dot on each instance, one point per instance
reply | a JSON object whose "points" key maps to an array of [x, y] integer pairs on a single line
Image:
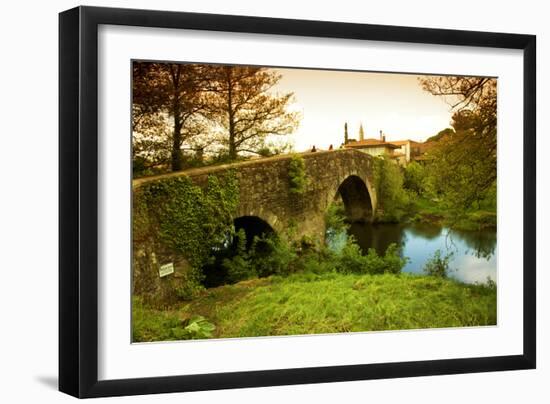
{"points": [[313, 149]]}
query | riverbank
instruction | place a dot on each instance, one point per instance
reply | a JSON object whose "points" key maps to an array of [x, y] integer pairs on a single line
{"points": [[424, 210], [307, 303]]}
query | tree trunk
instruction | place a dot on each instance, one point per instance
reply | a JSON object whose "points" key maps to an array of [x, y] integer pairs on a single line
{"points": [[177, 158], [232, 145]]}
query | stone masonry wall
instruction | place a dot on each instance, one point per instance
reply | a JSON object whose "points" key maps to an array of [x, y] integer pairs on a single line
{"points": [[265, 193]]}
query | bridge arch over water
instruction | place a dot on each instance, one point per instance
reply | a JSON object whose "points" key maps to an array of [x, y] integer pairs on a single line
{"points": [[356, 197], [266, 202], [264, 189]]}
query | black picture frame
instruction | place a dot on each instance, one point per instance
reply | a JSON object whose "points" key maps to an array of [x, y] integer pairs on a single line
{"points": [[78, 201]]}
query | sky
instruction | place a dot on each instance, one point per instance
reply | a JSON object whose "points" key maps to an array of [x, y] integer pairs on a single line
{"points": [[393, 103]]}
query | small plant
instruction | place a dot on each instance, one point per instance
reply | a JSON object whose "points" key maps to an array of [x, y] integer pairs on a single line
{"points": [[438, 265], [197, 328], [297, 174]]}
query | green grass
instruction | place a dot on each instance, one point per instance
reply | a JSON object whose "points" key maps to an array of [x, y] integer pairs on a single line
{"points": [[307, 303]]}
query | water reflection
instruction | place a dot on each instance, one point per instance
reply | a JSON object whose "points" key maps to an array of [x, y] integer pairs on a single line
{"points": [[377, 236], [481, 243], [474, 252]]}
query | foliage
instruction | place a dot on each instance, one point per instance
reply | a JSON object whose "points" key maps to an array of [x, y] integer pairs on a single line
{"points": [[168, 109], [392, 198], [139, 166], [415, 178], [269, 254], [438, 265], [273, 148], [335, 226], [244, 108], [461, 173], [351, 260], [440, 135], [149, 324], [198, 328], [297, 174], [189, 284], [335, 218], [329, 302], [187, 219], [179, 108], [239, 267], [463, 165], [273, 255]]}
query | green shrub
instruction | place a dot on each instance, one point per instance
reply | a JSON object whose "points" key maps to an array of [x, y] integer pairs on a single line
{"points": [[239, 266], [189, 285], [297, 174], [351, 261], [438, 265], [393, 199], [272, 255], [415, 177], [393, 261], [313, 263]]}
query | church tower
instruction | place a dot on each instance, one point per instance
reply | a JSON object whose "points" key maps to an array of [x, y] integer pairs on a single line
{"points": [[361, 132], [346, 139]]}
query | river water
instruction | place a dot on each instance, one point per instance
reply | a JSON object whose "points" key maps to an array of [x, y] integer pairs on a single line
{"points": [[474, 252]]}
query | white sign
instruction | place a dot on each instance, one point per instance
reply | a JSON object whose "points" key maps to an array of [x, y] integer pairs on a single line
{"points": [[166, 269]]}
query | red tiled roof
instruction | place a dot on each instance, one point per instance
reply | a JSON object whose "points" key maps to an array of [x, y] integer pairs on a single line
{"points": [[402, 142]]}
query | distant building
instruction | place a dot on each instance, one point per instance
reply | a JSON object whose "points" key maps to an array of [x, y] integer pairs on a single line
{"points": [[408, 150], [402, 151], [374, 147]]}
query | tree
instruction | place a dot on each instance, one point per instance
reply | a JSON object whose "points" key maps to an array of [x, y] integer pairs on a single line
{"points": [[168, 100], [415, 177], [441, 134], [463, 169], [464, 165], [246, 108], [392, 198]]}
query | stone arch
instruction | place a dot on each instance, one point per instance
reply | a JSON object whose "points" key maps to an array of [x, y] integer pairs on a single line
{"points": [[357, 197], [253, 226]]}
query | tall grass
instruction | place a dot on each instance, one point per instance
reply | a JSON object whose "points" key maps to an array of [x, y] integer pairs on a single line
{"points": [[309, 303]]}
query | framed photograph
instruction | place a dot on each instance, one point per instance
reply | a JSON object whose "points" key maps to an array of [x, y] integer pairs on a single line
{"points": [[251, 201]]}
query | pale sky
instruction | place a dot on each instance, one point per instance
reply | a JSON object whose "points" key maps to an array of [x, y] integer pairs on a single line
{"points": [[393, 103]]}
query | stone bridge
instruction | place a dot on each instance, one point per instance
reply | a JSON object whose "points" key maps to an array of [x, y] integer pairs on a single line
{"points": [[265, 199]]}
